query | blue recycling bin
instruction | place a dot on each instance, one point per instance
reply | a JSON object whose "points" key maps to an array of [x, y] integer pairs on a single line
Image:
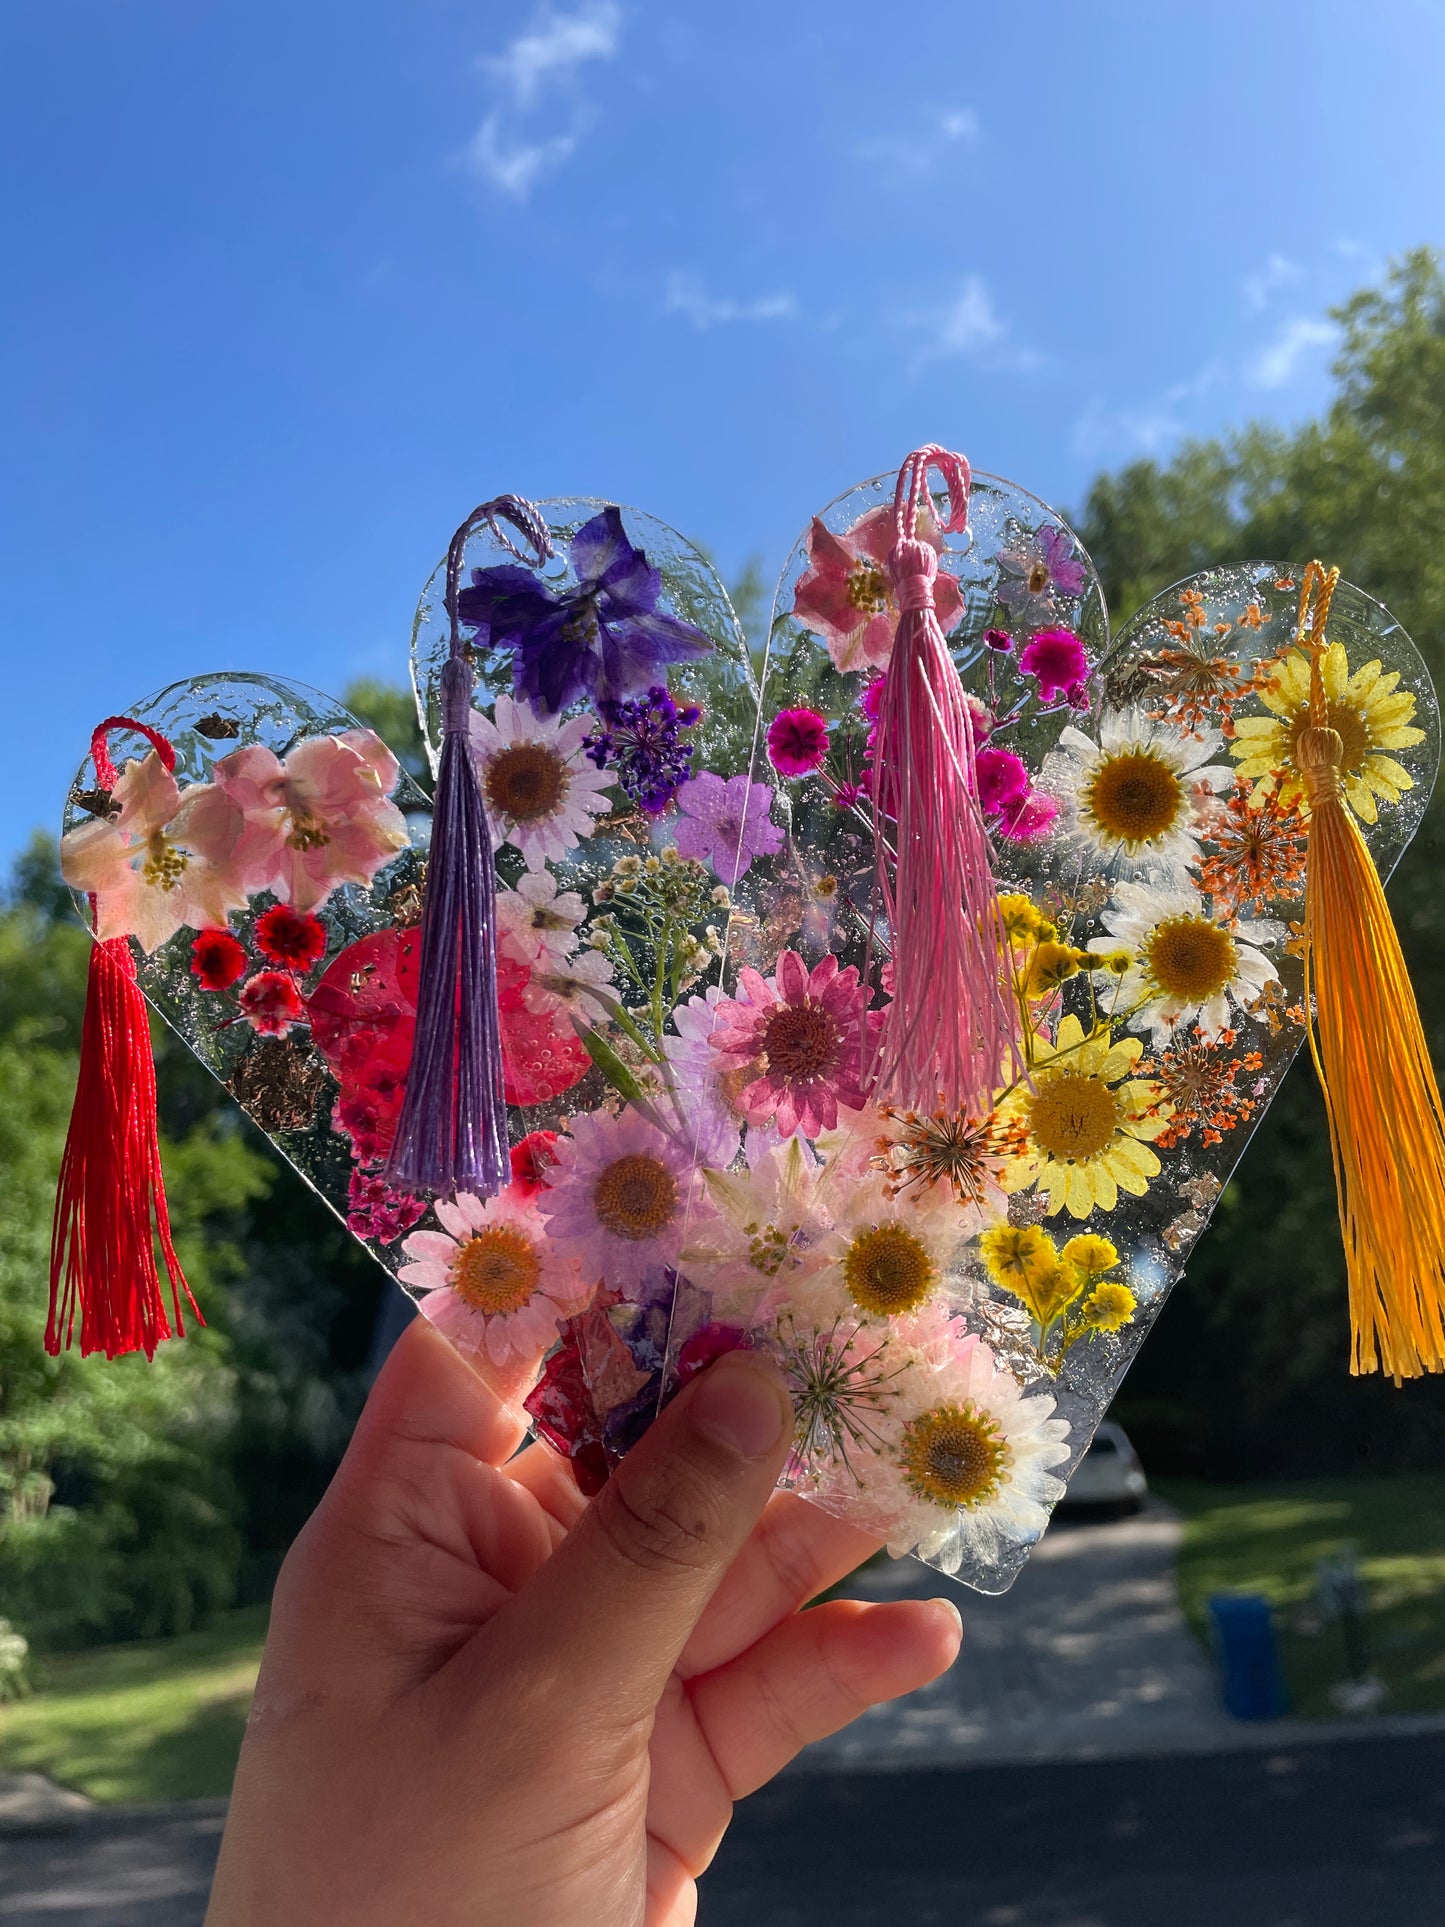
{"points": [[1251, 1682]]}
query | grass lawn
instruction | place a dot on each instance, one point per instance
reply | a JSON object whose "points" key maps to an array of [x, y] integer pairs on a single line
{"points": [[1268, 1538], [157, 1719]]}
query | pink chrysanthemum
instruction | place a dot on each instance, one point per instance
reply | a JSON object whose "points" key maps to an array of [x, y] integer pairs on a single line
{"points": [[1058, 660], [619, 1197], [494, 1281], [797, 741], [802, 1037]]}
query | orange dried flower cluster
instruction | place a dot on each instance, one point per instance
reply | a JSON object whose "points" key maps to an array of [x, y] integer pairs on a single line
{"points": [[1203, 1084], [1258, 858]]}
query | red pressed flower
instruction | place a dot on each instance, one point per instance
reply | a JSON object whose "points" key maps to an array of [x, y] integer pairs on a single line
{"points": [[797, 741], [531, 1160], [293, 938], [1058, 659], [271, 1003], [217, 960]]}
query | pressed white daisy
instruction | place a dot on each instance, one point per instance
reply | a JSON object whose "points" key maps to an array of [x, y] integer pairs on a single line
{"points": [[1187, 966], [493, 1280], [542, 918], [620, 1198], [581, 983], [970, 1458], [1139, 794], [541, 791], [886, 1253]]}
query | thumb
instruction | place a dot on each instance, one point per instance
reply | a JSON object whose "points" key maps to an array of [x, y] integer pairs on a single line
{"points": [[624, 1590]]}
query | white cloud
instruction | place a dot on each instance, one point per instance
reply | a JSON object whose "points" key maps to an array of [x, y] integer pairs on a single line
{"points": [[924, 150], [686, 296], [555, 48], [1261, 286], [969, 328], [507, 150], [1107, 434], [514, 165], [1275, 364]]}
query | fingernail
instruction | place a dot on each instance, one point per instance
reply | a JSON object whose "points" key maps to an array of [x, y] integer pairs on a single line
{"points": [[740, 1404], [953, 1615]]}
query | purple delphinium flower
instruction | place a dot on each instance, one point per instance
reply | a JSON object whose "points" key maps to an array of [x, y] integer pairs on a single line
{"points": [[797, 742], [640, 739], [1059, 661], [606, 638], [726, 824]]}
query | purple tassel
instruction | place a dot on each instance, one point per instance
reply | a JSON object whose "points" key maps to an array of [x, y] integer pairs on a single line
{"points": [[452, 1135]]}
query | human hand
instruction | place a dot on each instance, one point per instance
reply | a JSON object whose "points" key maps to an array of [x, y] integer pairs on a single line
{"points": [[486, 1700]]}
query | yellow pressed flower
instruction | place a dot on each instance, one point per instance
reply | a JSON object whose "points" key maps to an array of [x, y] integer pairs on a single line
{"points": [[1109, 1307], [1090, 1255], [1116, 962], [1018, 1255], [1051, 965], [1051, 1293], [1088, 1124], [1021, 921], [1370, 711]]}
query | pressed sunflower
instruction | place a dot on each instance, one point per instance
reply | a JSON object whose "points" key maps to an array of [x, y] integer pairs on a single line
{"points": [[1368, 708], [1089, 1124]]}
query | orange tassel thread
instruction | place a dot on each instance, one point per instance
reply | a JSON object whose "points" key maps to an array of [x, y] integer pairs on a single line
{"points": [[1387, 1127]]}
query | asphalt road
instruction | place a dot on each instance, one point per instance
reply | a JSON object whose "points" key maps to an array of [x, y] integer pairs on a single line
{"points": [[1339, 1835]]}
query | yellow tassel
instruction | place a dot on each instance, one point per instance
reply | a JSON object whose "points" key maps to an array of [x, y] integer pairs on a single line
{"points": [[1387, 1129]]}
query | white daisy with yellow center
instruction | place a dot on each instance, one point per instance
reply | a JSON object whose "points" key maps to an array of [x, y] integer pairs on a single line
{"points": [[1369, 709], [1139, 794], [1187, 966], [886, 1256], [1087, 1124], [541, 791], [969, 1463], [491, 1279]]}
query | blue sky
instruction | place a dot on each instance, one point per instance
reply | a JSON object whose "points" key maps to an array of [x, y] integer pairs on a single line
{"points": [[291, 285]]}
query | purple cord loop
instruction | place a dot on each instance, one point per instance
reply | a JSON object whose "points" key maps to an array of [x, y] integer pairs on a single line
{"points": [[529, 522]]}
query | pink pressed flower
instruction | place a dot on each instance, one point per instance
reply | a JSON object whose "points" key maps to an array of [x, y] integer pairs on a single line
{"points": [[848, 796], [726, 824], [619, 1198], [797, 741], [1002, 779], [322, 817], [493, 1280], [800, 1037], [271, 1003], [981, 717], [1030, 818], [1057, 658], [845, 594], [870, 699], [999, 639], [168, 858], [377, 1212]]}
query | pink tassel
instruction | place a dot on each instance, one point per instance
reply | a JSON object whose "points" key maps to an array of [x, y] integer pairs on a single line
{"points": [[950, 1035]]}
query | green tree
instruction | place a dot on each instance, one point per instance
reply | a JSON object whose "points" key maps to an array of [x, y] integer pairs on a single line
{"points": [[1246, 1372]]}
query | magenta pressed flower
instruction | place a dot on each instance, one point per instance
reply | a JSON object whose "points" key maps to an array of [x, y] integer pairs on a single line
{"points": [[726, 824], [800, 1041], [999, 639], [1058, 660], [1029, 818], [1002, 779], [797, 742]]}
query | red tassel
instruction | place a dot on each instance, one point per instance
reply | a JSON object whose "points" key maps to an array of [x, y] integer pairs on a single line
{"points": [[110, 1205]]}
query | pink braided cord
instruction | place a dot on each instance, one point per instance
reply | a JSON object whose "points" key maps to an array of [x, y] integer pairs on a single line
{"points": [[950, 1035]]}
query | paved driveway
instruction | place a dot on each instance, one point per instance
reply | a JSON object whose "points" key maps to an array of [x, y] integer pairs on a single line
{"points": [[1087, 1655]]}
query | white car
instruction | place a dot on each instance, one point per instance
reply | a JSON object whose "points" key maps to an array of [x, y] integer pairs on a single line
{"points": [[1109, 1477]]}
